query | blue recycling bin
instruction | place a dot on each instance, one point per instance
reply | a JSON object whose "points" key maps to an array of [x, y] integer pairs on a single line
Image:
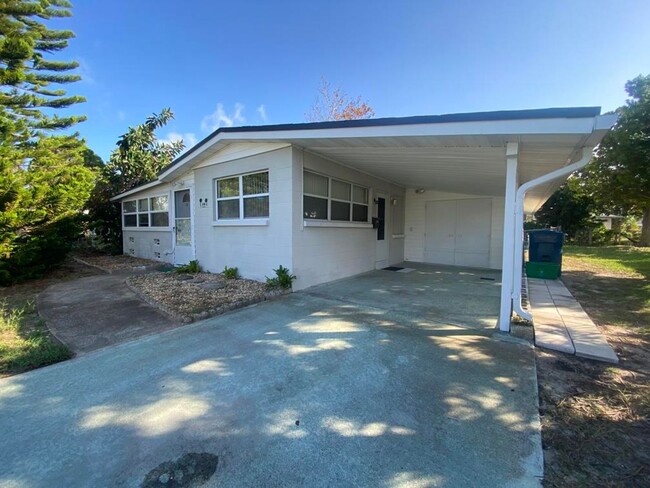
{"points": [[545, 246]]}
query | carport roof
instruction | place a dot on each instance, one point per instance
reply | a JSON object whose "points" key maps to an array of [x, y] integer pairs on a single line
{"points": [[458, 153]]}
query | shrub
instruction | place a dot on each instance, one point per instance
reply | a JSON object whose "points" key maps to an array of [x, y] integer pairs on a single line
{"points": [[39, 250], [231, 273], [282, 279], [191, 267]]}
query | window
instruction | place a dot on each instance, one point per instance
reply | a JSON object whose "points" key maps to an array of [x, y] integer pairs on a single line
{"points": [[243, 196], [146, 212], [327, 198]]}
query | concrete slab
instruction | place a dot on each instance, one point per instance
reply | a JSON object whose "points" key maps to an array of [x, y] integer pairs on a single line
{"points": [[551, 336], [98, 311], [301, 391], [445, 294], [563, 325]]}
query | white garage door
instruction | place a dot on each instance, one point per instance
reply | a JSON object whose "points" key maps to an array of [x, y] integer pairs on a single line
{"points": [[458, 232]]}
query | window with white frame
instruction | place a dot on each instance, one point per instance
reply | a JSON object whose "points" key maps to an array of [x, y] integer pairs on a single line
{"points": [[326, 198], [243, 197], [146, 212]]}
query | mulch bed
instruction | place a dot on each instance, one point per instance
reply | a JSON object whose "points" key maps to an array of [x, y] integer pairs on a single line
{"points": [[197, 296], [118, 262]]}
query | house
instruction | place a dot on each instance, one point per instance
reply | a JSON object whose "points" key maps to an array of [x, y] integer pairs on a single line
{"points": [[334, 199]]}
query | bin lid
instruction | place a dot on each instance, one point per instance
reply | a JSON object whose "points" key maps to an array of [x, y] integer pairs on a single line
{"points": [[545, 235], [545, 231]]}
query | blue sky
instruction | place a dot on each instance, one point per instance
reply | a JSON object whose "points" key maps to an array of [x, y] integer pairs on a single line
{"points": [[253, 62]]}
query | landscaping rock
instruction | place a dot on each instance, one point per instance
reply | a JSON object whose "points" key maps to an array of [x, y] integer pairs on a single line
{"points": [[200, 295]]}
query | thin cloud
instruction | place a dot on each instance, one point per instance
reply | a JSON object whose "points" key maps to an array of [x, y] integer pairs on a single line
{"points": [[220, 118], [85, 71], [261, 110], [189, 138]]}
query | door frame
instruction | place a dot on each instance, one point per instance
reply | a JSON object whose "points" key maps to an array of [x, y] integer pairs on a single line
{"points": [[190, 188]]}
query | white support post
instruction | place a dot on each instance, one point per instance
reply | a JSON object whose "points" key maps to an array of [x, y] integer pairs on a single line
{"points": [[505, 311]]}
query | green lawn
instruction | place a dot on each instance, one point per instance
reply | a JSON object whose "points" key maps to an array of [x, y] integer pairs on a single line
{"points": [[612, 283], [621, 259]]}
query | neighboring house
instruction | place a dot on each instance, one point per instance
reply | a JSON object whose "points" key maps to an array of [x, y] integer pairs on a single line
{"points": [[611, 221], [439, 189]]}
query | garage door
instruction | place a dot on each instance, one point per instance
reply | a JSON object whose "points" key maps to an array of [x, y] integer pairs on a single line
{"points": [[458, 232]]}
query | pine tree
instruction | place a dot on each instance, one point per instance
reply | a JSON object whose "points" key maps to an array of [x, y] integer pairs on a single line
{"points": [[44, 183], [27, 75]]}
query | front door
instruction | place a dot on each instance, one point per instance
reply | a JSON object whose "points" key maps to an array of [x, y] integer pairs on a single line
{"points": [[183, 248], [381, 250]]}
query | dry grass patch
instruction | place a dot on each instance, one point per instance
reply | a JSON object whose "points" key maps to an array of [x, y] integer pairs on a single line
{"points": [[594, 423], [595, 416]]}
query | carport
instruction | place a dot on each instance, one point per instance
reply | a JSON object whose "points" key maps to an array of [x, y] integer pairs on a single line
{"points": [[469, 179], [424, 293]]}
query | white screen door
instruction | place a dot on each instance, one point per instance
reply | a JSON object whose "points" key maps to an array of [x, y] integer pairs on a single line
{"points": [[183, 249]]}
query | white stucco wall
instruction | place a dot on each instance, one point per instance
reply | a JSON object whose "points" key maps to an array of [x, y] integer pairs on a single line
{"points": [[415, 224], [255, 250], [149, 242], [322, 254]]}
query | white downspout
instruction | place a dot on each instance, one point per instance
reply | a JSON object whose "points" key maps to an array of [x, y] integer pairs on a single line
{"points": [[519, 223]]}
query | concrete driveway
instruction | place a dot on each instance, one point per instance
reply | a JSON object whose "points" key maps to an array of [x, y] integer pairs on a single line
{"points": [[305, 390], [99, 311]]}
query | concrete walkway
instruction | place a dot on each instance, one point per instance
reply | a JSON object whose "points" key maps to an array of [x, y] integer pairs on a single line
{"points": [[300, 391], [98, 311], [561, 323]]}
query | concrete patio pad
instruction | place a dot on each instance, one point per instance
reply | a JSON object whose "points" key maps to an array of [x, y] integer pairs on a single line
{"points": [[443, 294], [300, 391], [98, 311]]}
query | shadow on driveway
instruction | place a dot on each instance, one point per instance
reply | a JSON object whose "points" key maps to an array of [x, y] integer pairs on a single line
{"points": [[299, 391]]}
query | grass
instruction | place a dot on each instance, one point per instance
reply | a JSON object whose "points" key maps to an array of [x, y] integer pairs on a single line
{"points": [[612, 283], [595, 416], [616, 259], [24, 342]]}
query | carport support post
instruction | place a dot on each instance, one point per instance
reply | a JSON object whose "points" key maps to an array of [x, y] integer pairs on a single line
{"points": [[509, 231]]}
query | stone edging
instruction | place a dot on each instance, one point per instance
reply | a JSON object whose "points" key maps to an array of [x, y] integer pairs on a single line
{"points": [[79, 260], [206, 313]]}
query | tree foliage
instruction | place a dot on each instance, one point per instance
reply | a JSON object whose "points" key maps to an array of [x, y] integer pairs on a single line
{"points": [[619, 175], [335, 104], [137, 159], [44, 183], [30, 81], [570, 208]]}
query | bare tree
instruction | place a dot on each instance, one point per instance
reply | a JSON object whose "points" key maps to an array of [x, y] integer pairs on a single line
{"points": [[335, 104]]}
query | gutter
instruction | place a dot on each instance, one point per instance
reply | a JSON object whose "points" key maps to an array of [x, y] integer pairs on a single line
{"points": [[587, 153]]}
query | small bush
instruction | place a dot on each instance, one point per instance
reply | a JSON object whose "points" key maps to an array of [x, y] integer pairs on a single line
{"points": [[282, 279], [191, 267], [231, 273]]}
